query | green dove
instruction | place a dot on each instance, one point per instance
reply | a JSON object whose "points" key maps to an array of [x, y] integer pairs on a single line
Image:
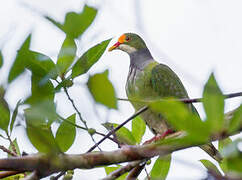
{"points": [[148, 80]]}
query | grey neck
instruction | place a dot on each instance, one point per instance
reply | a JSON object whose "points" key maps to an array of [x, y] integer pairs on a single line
{"points": [[139, 59]]}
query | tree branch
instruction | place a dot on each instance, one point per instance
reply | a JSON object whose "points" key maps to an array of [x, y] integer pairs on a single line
{"points": [[48, 164], [118, 127]]}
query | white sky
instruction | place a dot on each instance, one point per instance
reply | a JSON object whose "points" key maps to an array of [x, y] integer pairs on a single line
{"points": [[198, 36]]}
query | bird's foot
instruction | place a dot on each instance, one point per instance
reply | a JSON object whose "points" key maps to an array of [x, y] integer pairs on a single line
{"points": [[159, 136]]}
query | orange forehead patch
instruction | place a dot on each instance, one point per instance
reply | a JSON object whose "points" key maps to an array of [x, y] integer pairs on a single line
{"points": [[121, 38]]}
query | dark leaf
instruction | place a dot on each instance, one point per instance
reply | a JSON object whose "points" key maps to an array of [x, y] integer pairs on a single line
{"points": [[14, 115], [138, 128], [89, 58], [66, 55], [102, 90], [20, 60], [123, 135], [213, 102], [210, 166], [66, 134], [4, 111], [161, 167]]}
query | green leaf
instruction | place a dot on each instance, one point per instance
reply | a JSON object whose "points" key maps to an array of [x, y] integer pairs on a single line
{"points": [[66, 134], [213, 102], [57, 24], [138, 128], [66, 55], [1, 59], [19, 63], [221, 145], [15, 146], [124, 136], [109, 169], [14, 115], [41, 65], [180, 118], [76, 23], [4, 111], [236, 122], [102, 90], [40, 92], [64, 83], [233, 157], [210, 166], [89, 58], [39, 133], [161, 167]]}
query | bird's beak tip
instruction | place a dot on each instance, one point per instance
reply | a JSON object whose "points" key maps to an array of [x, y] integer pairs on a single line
{"points": [[115, 46]]}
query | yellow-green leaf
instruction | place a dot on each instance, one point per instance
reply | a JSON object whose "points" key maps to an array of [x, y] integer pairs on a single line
{"points": [[138, 128], [102, 90], [89, 58], [66, 133]]}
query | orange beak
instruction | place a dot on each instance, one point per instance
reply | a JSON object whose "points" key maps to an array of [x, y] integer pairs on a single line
{"points": [[121, 40]]}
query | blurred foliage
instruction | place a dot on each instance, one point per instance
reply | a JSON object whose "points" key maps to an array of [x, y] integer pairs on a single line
{"points": [[161, 168], [48, 79], [102, 89], [109, 169]]}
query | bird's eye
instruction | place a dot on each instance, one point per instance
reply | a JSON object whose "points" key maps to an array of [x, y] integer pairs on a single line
{"points": [[127, 38]]}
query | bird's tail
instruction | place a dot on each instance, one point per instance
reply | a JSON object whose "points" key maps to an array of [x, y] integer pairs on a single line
{"points": [[212, 151]]}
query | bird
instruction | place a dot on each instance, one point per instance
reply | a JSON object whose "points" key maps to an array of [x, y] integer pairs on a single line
{"points": [[149, 80]]}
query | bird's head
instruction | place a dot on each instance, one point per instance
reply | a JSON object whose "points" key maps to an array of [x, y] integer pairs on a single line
{"points": [[129, 42]]}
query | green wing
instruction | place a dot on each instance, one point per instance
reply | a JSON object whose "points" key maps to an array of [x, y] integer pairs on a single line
{"points": [[166, 83]]}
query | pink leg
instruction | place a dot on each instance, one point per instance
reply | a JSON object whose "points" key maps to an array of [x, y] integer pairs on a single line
{"points": [[159, 136]]}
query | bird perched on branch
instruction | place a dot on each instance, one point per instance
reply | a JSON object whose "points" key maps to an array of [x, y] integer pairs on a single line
{"points": [[148, 80]]}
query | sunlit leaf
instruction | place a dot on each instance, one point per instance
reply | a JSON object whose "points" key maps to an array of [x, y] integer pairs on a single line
{"points": [[1, 59], [138, 128], [180, 118], [161, 168], [210, 166], [14, 115], [123, 135], [19, 62], [102, 90], [66, 134], [4, 111], [213, 102], [16, 147], [66, 55], [89, 58]]}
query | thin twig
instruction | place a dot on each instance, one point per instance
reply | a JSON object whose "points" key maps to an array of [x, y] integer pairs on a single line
{"points": [[79, 114], [186, 100], [59, 175], [118, 127], [83, 128], [11, 144], [8, 151], [4, 174]]}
